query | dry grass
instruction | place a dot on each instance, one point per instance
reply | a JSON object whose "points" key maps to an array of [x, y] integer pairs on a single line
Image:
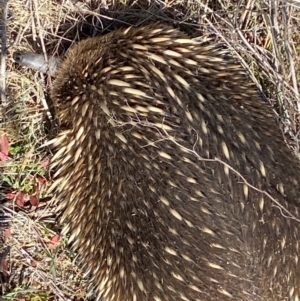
{"points": [[263, 34]]}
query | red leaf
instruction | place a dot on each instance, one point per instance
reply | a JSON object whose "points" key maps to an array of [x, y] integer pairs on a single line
{"points": [[54, 240], [10, 195], [45, 163], [20, 199], [6, 234], [41, 180], [34, 263], [4, 146], [4, 265], [17, 196], [34, 201]]}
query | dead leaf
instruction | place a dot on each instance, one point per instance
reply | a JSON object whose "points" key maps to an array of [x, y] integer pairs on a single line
{"points": [[4, 266], [34, 201], [54, 240], [4, 146], [20, 199], [41, 180], [45, 163], [10, 195], [6, 234], [34, 263]]}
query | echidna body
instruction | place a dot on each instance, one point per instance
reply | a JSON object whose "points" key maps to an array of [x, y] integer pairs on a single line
{"points": [[173, 179]]}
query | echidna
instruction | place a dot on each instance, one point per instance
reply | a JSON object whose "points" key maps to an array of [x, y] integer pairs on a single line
{"points": [[173, 179]]}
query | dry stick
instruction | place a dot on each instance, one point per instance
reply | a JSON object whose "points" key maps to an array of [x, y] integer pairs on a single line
{"points": [[287, 18], [269, 70], [242, 61], [244, 180], [272, 21], [4, 101], [192, 150], [43, 100], [277, 77]]}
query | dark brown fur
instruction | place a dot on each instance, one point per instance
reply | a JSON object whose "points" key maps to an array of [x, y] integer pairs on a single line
{"points": [[153, 126]]}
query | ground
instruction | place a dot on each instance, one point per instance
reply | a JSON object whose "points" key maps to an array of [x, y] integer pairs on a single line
{"points": [[35, 261]]}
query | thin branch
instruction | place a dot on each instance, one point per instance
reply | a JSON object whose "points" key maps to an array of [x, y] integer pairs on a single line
{"points": [[4, 101]]}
